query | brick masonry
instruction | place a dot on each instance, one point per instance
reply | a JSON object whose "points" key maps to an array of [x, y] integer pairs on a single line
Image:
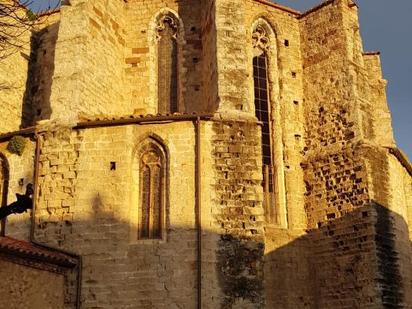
{"points": [[342, 196]]}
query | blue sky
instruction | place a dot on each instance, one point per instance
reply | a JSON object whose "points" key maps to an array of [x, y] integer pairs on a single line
{"points": [[385, 26]]}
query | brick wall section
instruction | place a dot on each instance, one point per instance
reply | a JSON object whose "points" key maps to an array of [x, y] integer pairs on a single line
{"points": [[345, 261], [26, 287], [389, 189], [347, 191], [21, 173], [232, 59], [287, 107], [36, 104], [238, 208], [141, 51], [376, 113], [209, 54], [87, 208], [288, 269], [335, 185], [89, 60], [13, 77], [328, 105]]}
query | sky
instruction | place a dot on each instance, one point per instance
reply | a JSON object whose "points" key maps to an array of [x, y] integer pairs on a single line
{"points": [[385, 26]]}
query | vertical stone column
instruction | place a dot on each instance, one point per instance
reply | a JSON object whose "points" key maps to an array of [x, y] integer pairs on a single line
{"points": [[232, 57], [237, 213], [89, 61], [209, 56]]}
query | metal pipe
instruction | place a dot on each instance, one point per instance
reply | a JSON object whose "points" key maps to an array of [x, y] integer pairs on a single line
{"points": [[23, 132], [33, 222], [5, 171], [198, 212]]}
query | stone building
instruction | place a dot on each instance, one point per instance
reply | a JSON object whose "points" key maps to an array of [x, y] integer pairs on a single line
{"points": [[209, 154]]}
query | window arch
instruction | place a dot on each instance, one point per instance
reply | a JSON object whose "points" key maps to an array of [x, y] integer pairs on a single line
{"points": [[4, 186], [167, 32], [152, 190]]}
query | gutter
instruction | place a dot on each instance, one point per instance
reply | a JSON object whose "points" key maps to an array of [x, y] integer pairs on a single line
{"points": [[149, 119], [24, 132], [75, 256]]}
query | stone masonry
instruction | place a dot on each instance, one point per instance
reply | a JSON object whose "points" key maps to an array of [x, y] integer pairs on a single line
{"points": [[182, 210]]}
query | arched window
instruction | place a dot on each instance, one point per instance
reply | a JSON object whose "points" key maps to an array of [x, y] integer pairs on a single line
{"points": [[152, 166], [167, 64], [4, 183], [262, 101]]}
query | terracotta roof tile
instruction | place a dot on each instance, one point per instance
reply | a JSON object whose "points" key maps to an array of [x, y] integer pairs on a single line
{"points": [[24, 249]]}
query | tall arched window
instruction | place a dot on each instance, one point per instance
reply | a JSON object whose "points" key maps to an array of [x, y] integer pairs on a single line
{"points": [[152, 166], [262, 102], [167, 64], [4, 183]]}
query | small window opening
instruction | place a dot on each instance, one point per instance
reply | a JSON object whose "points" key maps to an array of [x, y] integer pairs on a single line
{"points": [[112, 166]]}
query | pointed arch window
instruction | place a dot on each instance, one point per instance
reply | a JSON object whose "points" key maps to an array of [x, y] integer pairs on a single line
{"points": [[167, 64], [152, 167], [261, 100]]}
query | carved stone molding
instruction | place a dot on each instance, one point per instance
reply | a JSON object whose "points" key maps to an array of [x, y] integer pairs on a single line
{"points": [[260, 38], [167, 21]]}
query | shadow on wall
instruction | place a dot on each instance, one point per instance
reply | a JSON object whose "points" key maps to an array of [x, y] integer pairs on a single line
{"points": [[351, 262], [36, 102]]}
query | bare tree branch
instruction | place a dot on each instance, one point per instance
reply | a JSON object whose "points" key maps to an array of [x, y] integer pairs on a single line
{"points": [[16, 20]]}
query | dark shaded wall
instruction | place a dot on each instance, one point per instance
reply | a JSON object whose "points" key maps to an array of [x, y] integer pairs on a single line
{"points": [[36, 104]]}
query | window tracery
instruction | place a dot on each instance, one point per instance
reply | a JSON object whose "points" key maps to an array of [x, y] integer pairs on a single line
{"points": [[152, 191], [260, 38]]}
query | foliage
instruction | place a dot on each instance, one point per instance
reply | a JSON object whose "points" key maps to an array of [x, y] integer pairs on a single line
{"points": [[17, 145], [31, 15]]}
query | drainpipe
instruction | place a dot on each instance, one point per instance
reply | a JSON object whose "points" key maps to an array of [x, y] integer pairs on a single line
{"points": [[5, 193], [33, 223], [198, 212]]}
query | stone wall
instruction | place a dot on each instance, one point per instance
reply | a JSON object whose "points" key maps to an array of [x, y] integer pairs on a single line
{"points": [[341, 238], [238, 214], [141, 54], [346, 173], [36, 105], [209, 55], [26, 287], [288, 269], [89, 60], [86, 207], [13, 73], [21, 173], [287, 112]]}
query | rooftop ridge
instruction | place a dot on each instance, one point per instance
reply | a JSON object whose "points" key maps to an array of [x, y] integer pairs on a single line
{"points": [[280, 7]]}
